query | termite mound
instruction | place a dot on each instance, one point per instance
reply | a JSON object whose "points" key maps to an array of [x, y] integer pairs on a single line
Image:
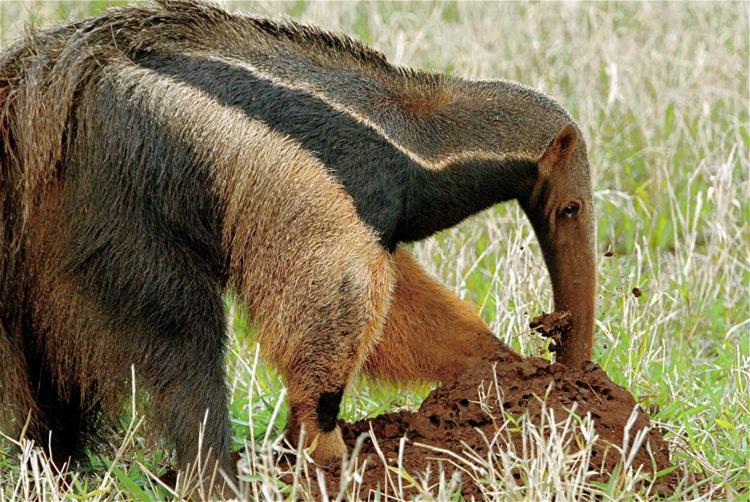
{"points": [[463, 415]]}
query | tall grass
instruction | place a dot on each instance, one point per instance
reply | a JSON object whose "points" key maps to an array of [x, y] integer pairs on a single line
{"points": [[661, 91]]}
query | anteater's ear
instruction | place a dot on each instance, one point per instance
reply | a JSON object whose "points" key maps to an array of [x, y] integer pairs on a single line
{"points": [[558, 152]]}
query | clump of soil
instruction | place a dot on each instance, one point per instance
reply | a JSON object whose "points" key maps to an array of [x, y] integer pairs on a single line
{"points": [[451, 418], [552, 326]]}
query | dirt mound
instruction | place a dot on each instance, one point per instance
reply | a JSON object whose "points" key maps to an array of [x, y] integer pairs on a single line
{"points": [[456, 419]]}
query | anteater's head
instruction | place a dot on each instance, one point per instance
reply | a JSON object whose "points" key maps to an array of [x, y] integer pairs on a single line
{"points": [[560, 209], [540, 159]]}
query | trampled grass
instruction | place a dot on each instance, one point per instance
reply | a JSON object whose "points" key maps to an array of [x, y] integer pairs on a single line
{"points": [[661, 91]]}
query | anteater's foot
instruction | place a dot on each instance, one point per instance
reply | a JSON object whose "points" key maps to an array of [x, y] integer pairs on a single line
{"points": [[327, 448]]}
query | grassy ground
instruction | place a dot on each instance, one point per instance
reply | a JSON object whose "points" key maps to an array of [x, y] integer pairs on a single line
{"points": [[661, 92]]}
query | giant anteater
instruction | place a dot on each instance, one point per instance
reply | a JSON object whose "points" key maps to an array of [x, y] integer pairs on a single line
{"points": [[155, 157]]}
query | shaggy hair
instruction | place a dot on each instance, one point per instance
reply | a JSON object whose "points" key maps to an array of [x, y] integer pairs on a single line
{"points": [[154, 157]]}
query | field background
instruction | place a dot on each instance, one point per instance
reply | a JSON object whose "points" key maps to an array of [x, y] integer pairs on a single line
{"points": [[661, 91]]}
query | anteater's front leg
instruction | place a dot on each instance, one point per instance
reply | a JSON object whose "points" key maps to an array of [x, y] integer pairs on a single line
{"points": [[318, 331], [429, 334]]}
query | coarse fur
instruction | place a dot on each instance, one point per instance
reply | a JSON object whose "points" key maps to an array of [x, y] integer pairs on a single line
{"points": [[156, 157]]}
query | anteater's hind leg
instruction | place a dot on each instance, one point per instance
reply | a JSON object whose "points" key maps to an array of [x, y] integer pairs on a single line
{"points": [[180, 361], [176, 350], [429, 334], [141, 303], [189, 400], [64, 422], [61, 420], [335, 320]]}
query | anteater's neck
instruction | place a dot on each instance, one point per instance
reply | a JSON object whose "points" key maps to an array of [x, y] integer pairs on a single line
{"points": [[474, 144], [441, 198]]}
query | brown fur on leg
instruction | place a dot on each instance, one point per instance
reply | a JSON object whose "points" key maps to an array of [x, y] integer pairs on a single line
{"points": [[430, 334], [325, 361]]}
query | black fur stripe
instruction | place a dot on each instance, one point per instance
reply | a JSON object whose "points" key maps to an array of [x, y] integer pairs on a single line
{"points": [[370, 168], [400, 199]]}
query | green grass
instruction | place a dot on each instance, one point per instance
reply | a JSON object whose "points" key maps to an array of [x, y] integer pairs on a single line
{"points": [[661, 92]]}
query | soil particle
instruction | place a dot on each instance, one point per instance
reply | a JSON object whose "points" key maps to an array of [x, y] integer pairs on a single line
{"points": [[451, 418], [552, 326]]}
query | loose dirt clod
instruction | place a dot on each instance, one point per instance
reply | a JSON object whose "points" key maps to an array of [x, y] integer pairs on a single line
{"points": [[552, 326], [451, 418]]}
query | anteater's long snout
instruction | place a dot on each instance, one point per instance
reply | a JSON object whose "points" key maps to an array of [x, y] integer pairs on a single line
{"points": [[573, 274]]}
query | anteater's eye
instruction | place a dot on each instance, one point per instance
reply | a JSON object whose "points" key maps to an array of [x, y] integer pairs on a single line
{"points": [[570, 210]]}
